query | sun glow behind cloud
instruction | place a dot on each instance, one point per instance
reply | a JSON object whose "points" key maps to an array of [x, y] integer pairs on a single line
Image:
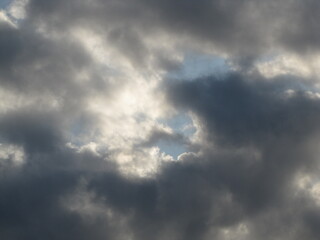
{"points": [[139, 119]]}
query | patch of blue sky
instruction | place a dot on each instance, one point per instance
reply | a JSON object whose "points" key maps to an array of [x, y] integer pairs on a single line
{"points": [[194, 65], [5, 7], [4, 3], [180, 123], [197, 65], [78, 130], [173, 149]]}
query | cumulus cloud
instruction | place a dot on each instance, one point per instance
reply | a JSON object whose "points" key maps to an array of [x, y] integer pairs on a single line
{"points": [[159, 119]]}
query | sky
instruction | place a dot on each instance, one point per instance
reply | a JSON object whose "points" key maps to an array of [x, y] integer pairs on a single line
{"points": [[159, 119]]}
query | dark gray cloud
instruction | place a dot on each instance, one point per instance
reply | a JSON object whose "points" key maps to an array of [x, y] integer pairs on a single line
{"points": [[248, 179], [244, 29], [34, 131], [30, 59], [241, 110], [257, 139], [279, 132]]}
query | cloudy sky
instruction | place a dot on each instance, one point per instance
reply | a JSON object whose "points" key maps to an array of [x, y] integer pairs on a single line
{"points": [[159, 119]]}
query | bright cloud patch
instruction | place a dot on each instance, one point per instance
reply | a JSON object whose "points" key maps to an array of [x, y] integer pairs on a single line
{"points": [[159, 119]]}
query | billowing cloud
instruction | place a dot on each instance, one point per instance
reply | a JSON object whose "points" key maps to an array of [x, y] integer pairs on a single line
{"points": [[159, 119]]}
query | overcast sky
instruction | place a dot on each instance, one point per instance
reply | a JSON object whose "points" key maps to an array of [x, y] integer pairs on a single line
{"points": [[159, 120]]}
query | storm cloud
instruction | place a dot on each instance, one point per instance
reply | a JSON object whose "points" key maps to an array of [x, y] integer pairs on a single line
{"points": [[159, 120]]}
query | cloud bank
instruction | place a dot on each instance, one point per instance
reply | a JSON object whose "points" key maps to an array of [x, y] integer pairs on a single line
{"points": [[159, 120]]}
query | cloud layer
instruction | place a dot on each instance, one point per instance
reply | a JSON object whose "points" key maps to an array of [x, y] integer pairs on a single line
{"points": [[98, 98]]}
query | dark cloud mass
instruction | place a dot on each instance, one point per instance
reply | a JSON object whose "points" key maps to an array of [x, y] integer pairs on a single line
{"points": [[86, 98]]}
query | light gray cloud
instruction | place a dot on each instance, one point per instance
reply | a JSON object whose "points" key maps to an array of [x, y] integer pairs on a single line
{"points": [[246, 28], [85, 99]]}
